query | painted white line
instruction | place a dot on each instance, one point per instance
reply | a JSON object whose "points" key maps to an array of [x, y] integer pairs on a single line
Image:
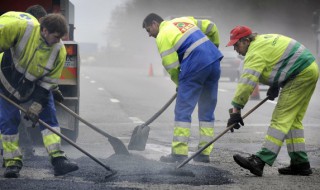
{"points": [[222, 90], [114, 100], [101, 89], [87, 77], [92, 81], [135, 120]]}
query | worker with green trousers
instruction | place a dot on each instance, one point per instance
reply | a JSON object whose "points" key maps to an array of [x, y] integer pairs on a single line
{"points": [[289, 69]]}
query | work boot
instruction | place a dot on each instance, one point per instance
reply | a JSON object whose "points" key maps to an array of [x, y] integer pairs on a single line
{"points": [[202, 158], [13, 171], [172, 158], [296, 169], [252, 163], [61, 166]]}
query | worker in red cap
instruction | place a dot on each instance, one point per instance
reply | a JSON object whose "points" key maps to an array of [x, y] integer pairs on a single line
{"points": [[281, 63]]}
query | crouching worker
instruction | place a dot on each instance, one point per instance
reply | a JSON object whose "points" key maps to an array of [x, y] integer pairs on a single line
{"points": [[30, 68], [280, 62]]}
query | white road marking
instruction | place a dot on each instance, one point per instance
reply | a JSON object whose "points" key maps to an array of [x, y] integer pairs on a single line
{"points": [[114, 100], [135, 120], [87, 77], [101, 89], [92, 81], [222, 90]]}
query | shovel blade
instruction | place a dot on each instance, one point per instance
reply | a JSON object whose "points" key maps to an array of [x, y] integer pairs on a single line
{"points": [[139, 138], [118, 146]]}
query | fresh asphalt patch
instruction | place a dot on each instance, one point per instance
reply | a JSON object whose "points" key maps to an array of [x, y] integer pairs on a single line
{"points": [[130, 169], [137, 169]]}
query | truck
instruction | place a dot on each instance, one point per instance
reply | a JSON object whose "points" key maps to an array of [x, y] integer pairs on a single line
{"points": [[69, 81]]}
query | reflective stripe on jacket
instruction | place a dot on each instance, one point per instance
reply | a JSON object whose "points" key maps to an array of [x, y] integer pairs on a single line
{"points": [[184, 48], [272, 59], [32, 57]]}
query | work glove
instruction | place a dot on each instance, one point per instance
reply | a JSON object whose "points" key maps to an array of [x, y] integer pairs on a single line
{"points": [[235, 118], [273, 93], [33, 113], [57, 95]]}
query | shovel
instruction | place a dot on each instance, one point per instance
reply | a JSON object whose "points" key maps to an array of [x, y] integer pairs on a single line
{"points": [[220, 135], [140, 133], [63, 137], [117, 144]]}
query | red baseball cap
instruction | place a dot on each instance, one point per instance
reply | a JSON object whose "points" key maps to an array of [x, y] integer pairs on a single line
{"points": [[237, 33]]}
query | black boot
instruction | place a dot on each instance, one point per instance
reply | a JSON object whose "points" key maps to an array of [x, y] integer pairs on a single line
{"points": [[252, 163], [172, 158], [61, 166], [296, 169], [202, 158], [13, 171]]}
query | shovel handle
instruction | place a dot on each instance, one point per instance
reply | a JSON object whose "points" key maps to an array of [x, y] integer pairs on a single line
{"points": [[59, 134], [156, 115], [221, 134]]}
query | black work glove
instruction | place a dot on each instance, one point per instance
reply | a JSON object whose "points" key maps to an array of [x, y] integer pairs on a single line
{"points": [[272, 92], [235, 118], [33, 113], [57, 95]]}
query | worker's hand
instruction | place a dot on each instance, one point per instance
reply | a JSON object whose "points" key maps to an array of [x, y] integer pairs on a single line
{"points": [[236, 119], [272, 92], [33, 113], [57, 95]]}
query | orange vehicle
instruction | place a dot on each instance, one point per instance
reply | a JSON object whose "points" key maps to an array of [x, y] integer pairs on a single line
{"points": [[69, 81]]}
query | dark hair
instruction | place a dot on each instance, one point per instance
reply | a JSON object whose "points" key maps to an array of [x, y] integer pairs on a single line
{"points": [[250, 37], [36, 11], [55, 23], [151, 17]]}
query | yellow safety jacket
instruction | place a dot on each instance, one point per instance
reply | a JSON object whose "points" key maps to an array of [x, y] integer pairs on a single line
{"points": [[31, 56], [271, 59], [184, 47]]}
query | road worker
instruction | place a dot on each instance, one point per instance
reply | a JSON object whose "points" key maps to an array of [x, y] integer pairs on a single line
{"points": [[188, 48], [28, 74], [282, 63]]}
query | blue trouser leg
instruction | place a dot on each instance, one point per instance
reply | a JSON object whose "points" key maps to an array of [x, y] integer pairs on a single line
{"points": [[201, 87]]}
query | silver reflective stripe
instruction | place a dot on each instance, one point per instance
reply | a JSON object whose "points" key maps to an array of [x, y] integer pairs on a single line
{"points": [[10, 138], [247, 81], [292, 60], [11, 155], [296, 147], [209, 28], [178, 44], [271, 146], [182, 139], [47, 132], [48, 83], [194, 45], [281, 60], [184, 37], [172, 65], [205, 138], [24, 40], [53, 147], [182, 124], [275, 133], [199, 24], [8, 86], [206, 124], [251, 72], [296, 133]]}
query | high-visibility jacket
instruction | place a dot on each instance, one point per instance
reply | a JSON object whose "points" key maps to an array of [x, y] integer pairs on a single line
{"points": [[184, 48], [271, 59], [33, 59]]}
